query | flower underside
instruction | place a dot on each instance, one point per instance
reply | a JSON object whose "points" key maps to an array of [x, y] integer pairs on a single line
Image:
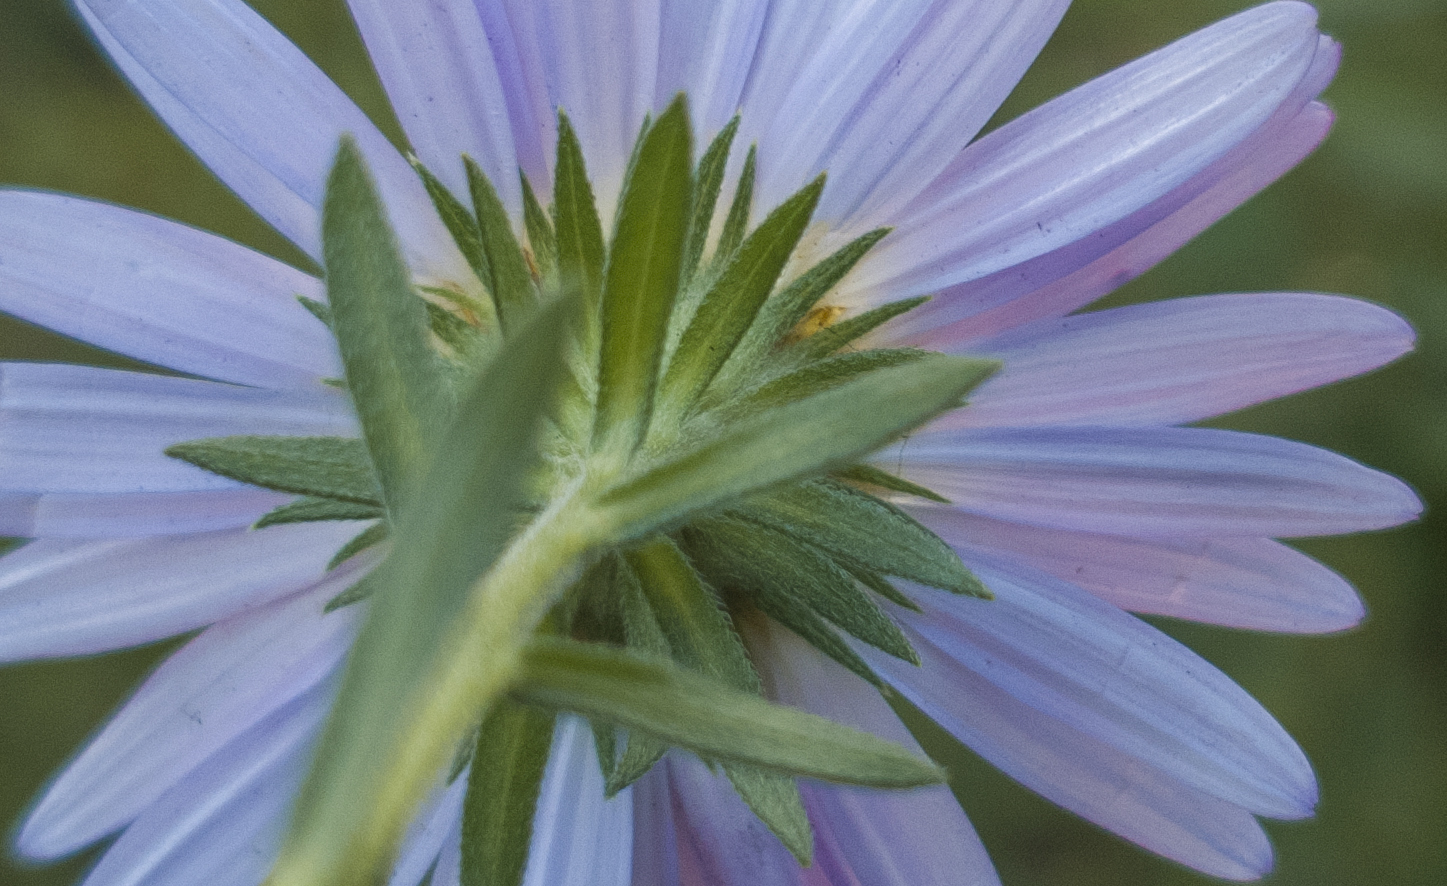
{"points": [[701, 414]]}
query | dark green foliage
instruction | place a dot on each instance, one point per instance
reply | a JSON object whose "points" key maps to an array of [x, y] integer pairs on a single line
{"points": [[502, 794], [323, 467]]}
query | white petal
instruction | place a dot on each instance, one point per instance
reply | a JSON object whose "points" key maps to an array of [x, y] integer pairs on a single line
{"points": [[1090, 778], [1112, 676], [1099, 153], [888, 838], [215, 688], [1155, 482], [579, 837], [438, 70], [223, 824], [79, 429], [1074, 275], [263, 117], [1252, 583], [439, 819], [1179, 361], [63, 597], [159, 291]]}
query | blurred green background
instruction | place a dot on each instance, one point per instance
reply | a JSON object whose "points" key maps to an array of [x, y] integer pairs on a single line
{"points": [[1367, 215]]}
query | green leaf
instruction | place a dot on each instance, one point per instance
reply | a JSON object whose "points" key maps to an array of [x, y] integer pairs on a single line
{"points": [[712, 720], [775, 799], [508, 278], [810, 436], [736, 224], [822, 375], [394, 375], [873, 476], [502, 794], [642, 280], [735, 298], [462, 337], [709, 183], [879, 585], [581, 253], [325, 467], [318, 309], [310, 509], [372, 535], [541, 238], [452, 606], [826, 341], [460, 223], [857, 526]]}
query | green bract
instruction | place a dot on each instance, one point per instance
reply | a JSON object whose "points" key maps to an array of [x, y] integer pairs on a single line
{"points": [[588, 480]]}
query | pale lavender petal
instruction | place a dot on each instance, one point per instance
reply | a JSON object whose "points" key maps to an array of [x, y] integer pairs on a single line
{"points": [[438, 70], [887, 131], [1099, 153], [159, 291], [134, 514], [449, 862], [223, 824], [1099, 782], [579, 837], [65, 597], [263, 117], [1178, 361], [511, 31], [215, 688], [888, 838], [79, 429], [655, 839], [430, 830], [1154, 482], [1252, 583], [1110, 675], [1077, 274], [720, 840], [707, 51]]}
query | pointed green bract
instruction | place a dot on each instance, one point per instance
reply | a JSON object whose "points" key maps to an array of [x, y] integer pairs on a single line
{"points": [[809, 436], [541, 237], [735, 298], [460, 223], [856, 526], [325, 467], [381, 326], [737, 221], [318, 309], [709, 183], [879, 585], [502, 794], [442, 636], [694, 712], [310, 509], [872, 476], [823, 375], [775, 799], [508, 279], [642, 279], [372, 535], [828, 340], [581, 253]]}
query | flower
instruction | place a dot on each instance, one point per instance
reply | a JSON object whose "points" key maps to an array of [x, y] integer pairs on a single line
{"points": [[1077, 492]]}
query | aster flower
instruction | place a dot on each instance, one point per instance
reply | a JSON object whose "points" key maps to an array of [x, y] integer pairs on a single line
{"points": [[1066, 493]]}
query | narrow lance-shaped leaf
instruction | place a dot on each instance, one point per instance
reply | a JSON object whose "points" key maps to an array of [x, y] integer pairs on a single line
{"points": [[310, 509], [710, 719], [502, 794], [452, 606], [830, 339], [642, 280], [809, 436], [581, 252], [461, 224], [736, 223], [394, 376], [735, 298], [873, 476], [326, 467], [711, 167], [509, 280], [643, 636], [541, 238], [821, 375]]}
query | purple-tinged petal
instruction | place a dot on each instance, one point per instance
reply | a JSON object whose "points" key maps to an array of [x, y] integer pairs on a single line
{"points": [[78, 429], [65, 597], [430, 829], [1155, 482], [222, 825], [1098, 153], [579, 837], [132, 515], [720, 840], [438, 70], [1252, 583], [655, 839], [1078, 273], [449, 862], [263, 117], [1178, 361], [215, 688], [159, 291], [883, 838], [1094, 780], [1113, 677], [707, 51]]}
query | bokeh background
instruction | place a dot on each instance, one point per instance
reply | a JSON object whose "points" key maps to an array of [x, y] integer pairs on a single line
{"points": [[1367, 215]]}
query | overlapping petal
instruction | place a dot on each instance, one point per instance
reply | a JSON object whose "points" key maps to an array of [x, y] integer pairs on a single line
{"points": [[579, 837]]}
